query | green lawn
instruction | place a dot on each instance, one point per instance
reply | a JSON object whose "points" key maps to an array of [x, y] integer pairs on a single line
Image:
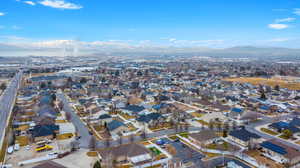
{"points": [[283, 137], [184, 134], [155, 151], [269, 131], [173, 137], [224, 146]]}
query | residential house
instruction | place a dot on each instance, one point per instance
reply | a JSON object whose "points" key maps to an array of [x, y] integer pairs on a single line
{"points": [[204, 137], [135, 154], [41, 132], [280, 152], [243, 137], [116, 127]]}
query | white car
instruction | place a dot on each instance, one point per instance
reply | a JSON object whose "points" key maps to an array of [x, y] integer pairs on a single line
{"points": [[17, 147], [10, 149]]}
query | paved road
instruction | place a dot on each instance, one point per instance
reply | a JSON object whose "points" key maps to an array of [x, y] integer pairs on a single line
{"points": [[267, 120], [102, 144], [80, 126], [220, 160], [7, 102], [85, 136]]}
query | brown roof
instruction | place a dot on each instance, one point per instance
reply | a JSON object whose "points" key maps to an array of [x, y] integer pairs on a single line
{"points": [[49, 164], [129, 150], [204, 135]]}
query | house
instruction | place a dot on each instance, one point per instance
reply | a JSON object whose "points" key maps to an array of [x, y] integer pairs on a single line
{"points": [[135, 154], [41, 132], [149, 117], [281, 125], [243, 137], [236, 113], [105, 118], [295, 122], [280, 152], [116, 127], [133, 109], [66, 128], [204, 137]]}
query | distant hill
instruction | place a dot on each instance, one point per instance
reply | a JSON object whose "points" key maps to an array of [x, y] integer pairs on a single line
{"points": [[154, 51]]}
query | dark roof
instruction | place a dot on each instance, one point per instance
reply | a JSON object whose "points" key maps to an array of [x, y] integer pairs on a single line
{"points": [[147, 118], [134, 108], [47, 110], [273, 147], [46, 99], [104, 116], [295, 122], [237, 110], [243, 134], [283, 126], [114, 124], [44, 130], [264, 107], [49, 164], [46, 78], [280, 148]]}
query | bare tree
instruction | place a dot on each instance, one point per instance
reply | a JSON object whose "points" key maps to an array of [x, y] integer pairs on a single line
{"points": [[131, 138], [60, 105], [92, 143], [3, 86], [211, 125], [120, 140], [68, 116], [107, 143], [74, 145]]}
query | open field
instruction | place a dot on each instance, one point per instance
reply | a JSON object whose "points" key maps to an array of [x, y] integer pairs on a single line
{"points": [[282, 82]]}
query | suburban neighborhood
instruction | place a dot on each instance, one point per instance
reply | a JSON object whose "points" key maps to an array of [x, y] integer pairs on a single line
{"points": [[152, 114]]}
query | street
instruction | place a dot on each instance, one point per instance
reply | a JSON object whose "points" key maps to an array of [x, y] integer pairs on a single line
{"points": [[7, 102]]}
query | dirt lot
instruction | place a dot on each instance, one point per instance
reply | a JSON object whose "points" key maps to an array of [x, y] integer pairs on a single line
{"points": [[282, 82], [24, 154]]}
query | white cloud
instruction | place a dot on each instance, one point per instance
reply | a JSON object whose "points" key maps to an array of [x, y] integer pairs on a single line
{"points": [[297, 11], [29, 3], [172, 40], [13, 38], [289, 19], [16, 27], [278, 40], [60, 4], [2, 14], [279, 10], [195, 42], [278, 26]]}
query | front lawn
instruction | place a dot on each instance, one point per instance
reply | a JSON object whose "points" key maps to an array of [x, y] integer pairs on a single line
{"points": [[269, 131], [155, 151], [184, 134], [283, 137], [64, 136]]}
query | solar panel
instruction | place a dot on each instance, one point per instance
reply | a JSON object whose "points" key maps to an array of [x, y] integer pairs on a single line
{"points": [[274, 147]]}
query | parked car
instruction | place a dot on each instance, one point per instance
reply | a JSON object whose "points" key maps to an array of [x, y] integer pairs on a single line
{"points": [[17, 147], [10, 149]]}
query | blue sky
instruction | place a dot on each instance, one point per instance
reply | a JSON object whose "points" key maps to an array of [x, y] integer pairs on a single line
{"points": [[209, 23]]}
